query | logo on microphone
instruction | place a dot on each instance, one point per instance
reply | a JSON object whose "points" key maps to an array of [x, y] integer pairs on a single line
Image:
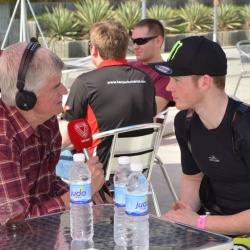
{"points": [[82, 129], [80, 134]]}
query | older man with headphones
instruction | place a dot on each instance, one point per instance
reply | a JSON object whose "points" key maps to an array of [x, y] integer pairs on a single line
{"points": [[30, 140]]}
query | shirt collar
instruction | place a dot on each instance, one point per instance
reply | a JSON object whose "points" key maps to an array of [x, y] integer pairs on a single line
{"points": [[21, 125], [112, 62]]}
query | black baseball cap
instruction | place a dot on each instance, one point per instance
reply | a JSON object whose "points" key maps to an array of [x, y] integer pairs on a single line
{"points": [[195, 55]]}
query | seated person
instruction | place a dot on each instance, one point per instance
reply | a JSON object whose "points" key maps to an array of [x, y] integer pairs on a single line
{"points": [[30, 140], [149, 51], [212, 130], [113, 95]]}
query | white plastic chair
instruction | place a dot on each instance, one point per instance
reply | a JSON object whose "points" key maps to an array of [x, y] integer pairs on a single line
{"points": [[141, 149], [243, 47]]}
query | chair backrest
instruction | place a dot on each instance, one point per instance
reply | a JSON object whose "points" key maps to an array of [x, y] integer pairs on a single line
{"points": [[163, 115], [243, 47], [141, 148]]}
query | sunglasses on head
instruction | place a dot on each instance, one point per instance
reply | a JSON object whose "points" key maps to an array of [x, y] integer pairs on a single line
{"points": [[142, 40]]}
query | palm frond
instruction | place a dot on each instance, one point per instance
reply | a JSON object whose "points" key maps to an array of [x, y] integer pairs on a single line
{"points": [[228, 17], [89, 12], [196, 17], [128, 14], [245, 13], [164, 14], [60, 24]]}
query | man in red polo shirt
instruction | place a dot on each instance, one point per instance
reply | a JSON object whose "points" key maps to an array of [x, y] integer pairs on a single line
{"points": [[113, 95], [148, 37]]}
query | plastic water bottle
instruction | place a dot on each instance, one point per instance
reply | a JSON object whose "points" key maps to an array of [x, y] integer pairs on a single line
{"points": [[80, 245], [120, 179], [81, 212], [136, 209]]}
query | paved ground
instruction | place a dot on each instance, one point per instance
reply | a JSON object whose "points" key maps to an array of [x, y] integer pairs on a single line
{"points": [[169, 150]]}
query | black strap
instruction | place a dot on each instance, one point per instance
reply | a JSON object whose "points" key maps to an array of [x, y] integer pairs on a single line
{"points": [[241, 109], [188, 126], [206, 195], [24, 64]]}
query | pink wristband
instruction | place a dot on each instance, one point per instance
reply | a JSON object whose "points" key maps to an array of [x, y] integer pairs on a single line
{"points": [[202, 222]]}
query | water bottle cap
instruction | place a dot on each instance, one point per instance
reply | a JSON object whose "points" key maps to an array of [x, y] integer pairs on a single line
{"points": [[79, 157], [136, 167], [124, 160]]}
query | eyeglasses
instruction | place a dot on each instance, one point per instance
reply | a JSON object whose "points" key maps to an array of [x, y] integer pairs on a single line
{"points": [[142, 40]]}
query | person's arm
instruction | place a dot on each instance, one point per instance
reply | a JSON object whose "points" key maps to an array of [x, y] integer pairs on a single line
{"points": [[161, 103], [162, 96], [237, 224], [66, 200], [16, 183], [190, 185], [63, 125], [185, 211], [27, 165]]}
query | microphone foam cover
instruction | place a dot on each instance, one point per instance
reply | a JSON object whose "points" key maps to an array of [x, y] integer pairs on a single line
{"points": [[80, 134]]}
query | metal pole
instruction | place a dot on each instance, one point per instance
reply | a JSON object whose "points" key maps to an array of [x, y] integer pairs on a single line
{"points": [[24, 35], [37, 24], [143, 8], [11, 21], [216, 3]]}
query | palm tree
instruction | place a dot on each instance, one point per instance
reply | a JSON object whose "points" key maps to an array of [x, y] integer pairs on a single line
{"points": [[60, 25], [228, 17], [128, 14], [164, 14], [197, 17], [89, 12], [246, 14]]}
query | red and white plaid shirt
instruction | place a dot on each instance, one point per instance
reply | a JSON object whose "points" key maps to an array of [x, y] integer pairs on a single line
{"points": [[27, 163]]}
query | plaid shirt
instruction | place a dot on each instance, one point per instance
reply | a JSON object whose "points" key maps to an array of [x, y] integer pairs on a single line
{"points": [[27, 163]]}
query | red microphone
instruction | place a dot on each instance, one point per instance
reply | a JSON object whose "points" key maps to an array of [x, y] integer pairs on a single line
{"points": [[80, 136]]}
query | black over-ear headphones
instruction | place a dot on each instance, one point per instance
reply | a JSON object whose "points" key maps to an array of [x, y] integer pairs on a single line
{"points": [[26, 100]]}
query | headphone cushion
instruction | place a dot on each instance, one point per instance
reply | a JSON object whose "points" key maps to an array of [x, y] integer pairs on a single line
{"points": [[25, 100]]}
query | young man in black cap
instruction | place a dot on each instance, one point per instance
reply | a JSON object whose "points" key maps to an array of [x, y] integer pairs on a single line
{"points": [[214, 153]]}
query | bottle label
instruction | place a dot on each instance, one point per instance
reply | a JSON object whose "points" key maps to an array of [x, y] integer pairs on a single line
{"points": [[120, 196], [80, 193], [136, 205]]}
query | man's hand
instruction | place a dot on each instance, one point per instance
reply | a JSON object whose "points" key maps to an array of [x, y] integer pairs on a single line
{"points": [[183, 213], [66, 199], [97, 173], [98, 200]]}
